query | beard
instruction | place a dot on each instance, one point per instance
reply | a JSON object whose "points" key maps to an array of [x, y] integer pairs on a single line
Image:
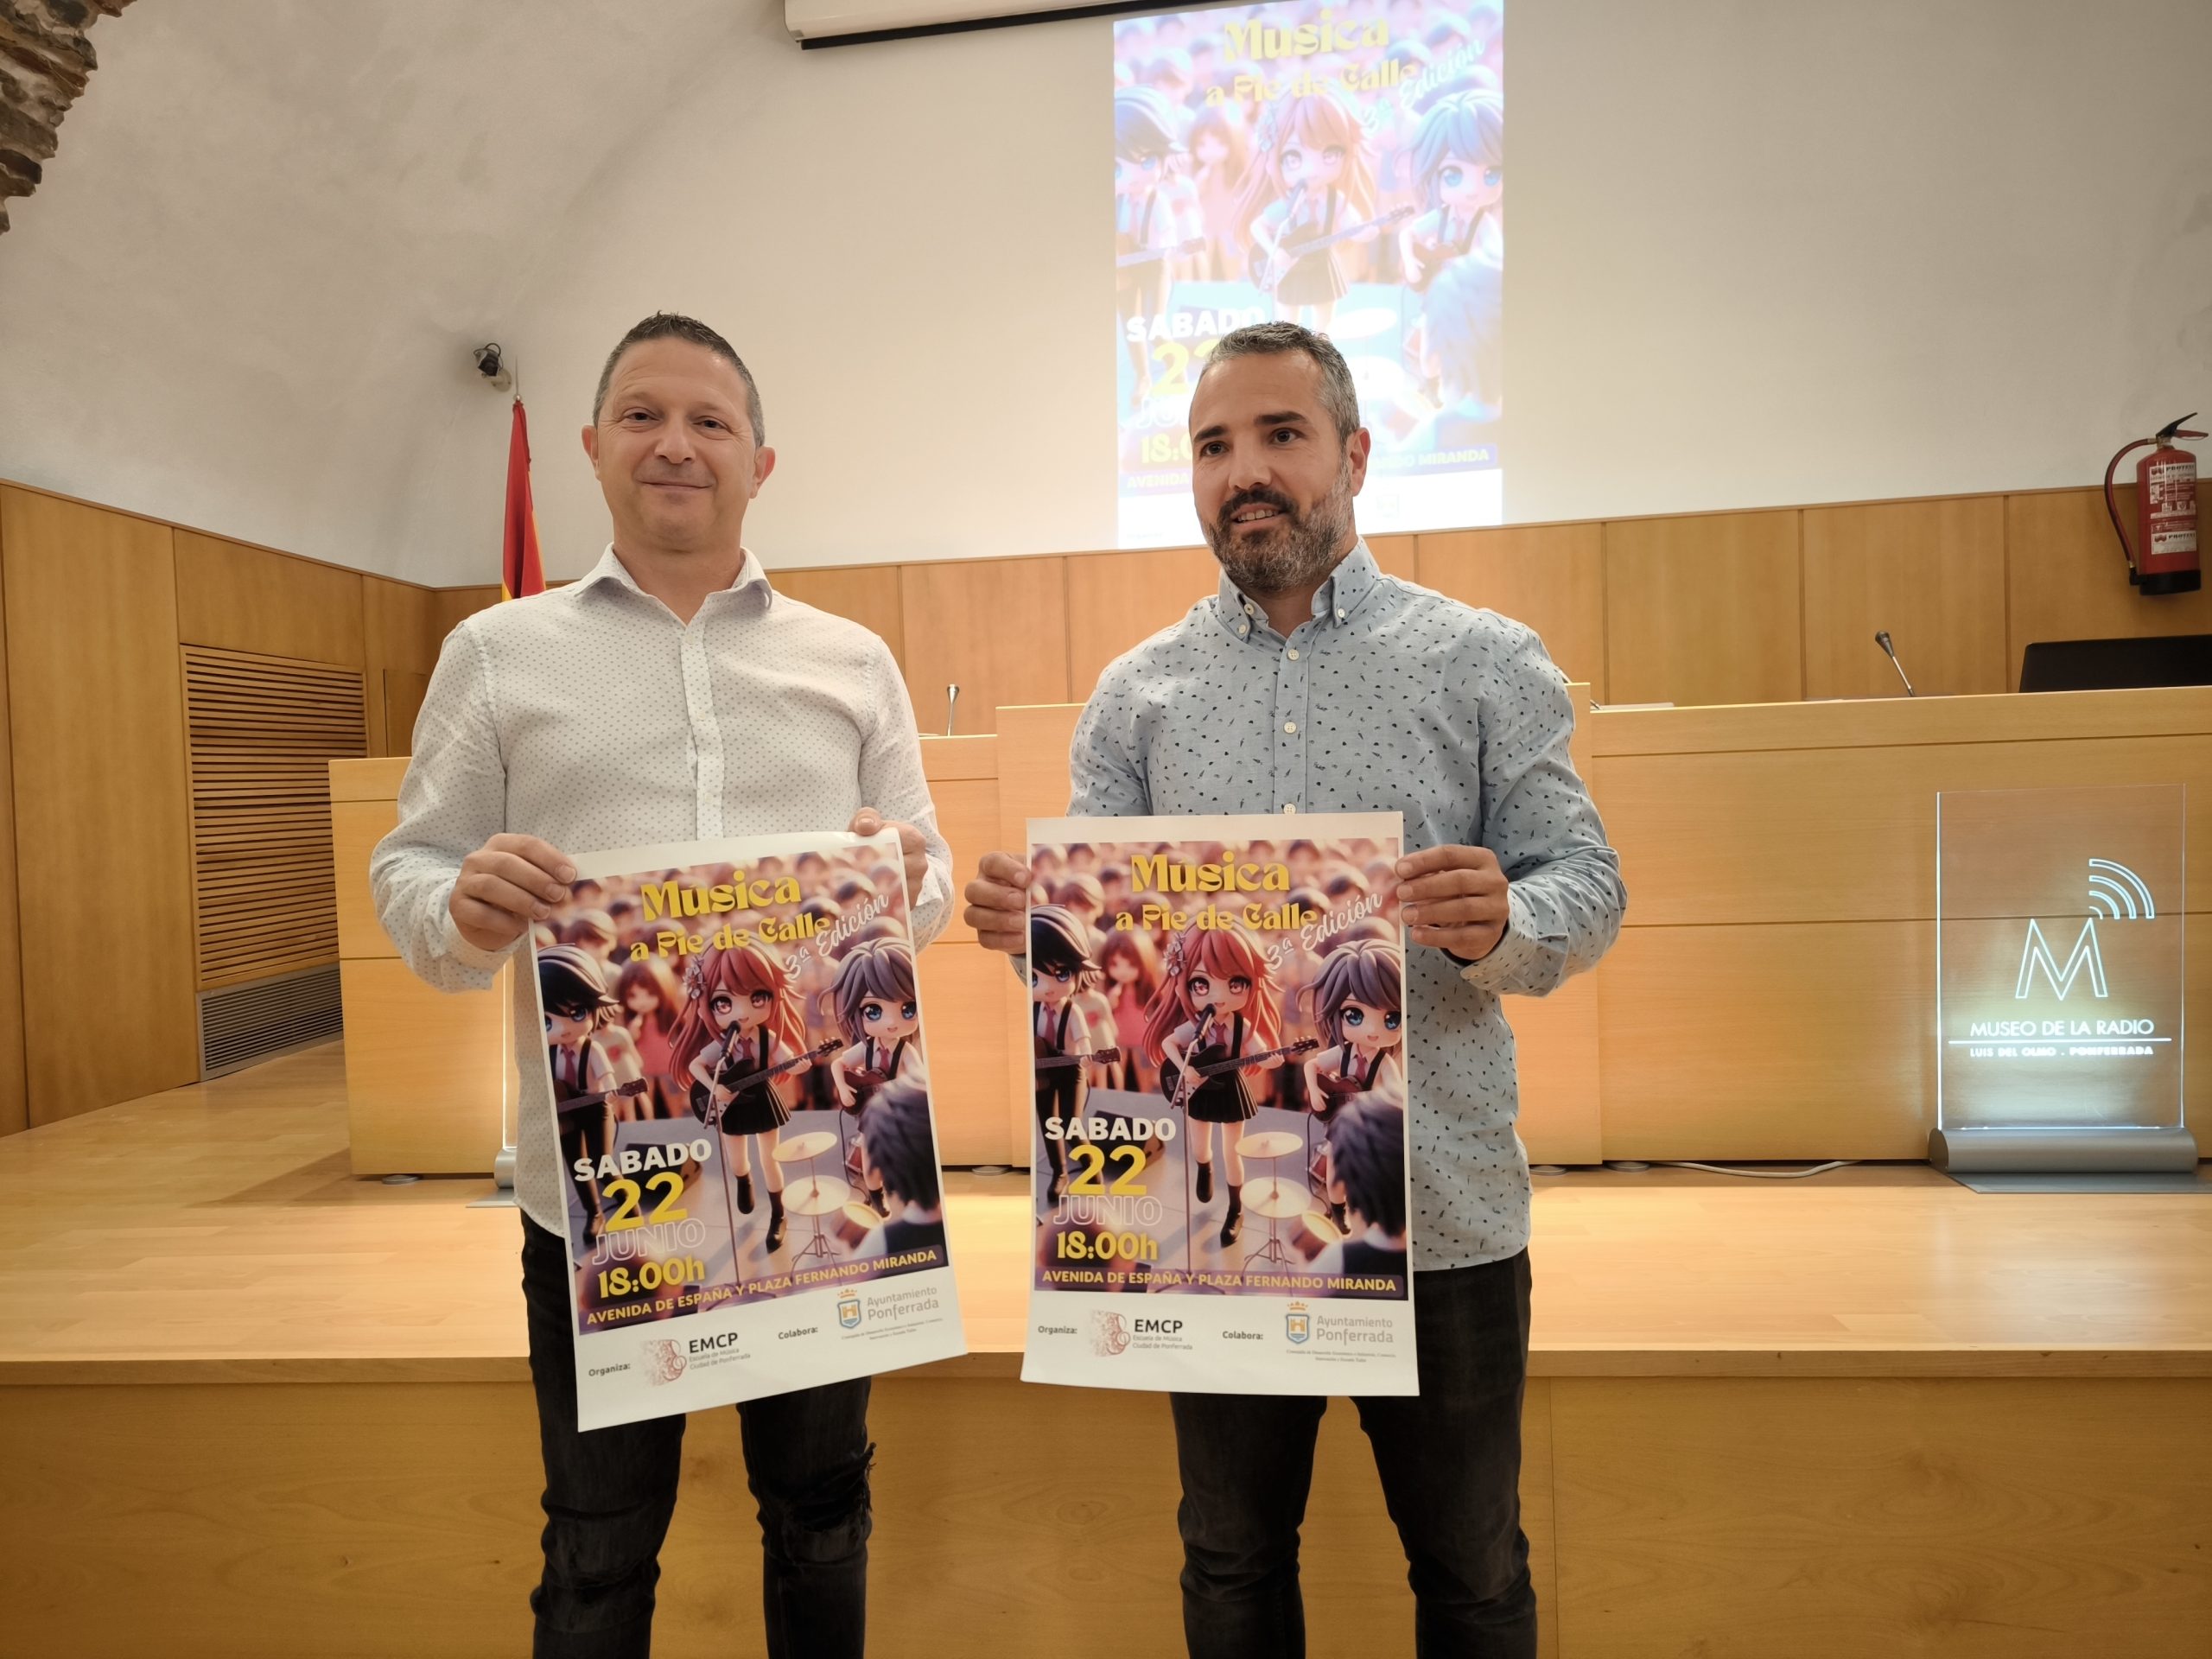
{"points": [[1296, 553]]}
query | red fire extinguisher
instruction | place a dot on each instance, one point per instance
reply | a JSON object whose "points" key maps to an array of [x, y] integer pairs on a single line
{"points": [[2164, 559]]}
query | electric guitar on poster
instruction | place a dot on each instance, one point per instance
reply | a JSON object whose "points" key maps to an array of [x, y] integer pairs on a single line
{"points": [[604, 1097], [1179, 1083], [1061, 1062], [703, 1098], [1268, 269], [1153, 255]]}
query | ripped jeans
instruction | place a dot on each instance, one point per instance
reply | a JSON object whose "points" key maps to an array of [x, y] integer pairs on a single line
{"points": [[609, 1493]]}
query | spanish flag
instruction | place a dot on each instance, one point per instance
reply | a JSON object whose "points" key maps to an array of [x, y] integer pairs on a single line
{"points": [[521, 571]]}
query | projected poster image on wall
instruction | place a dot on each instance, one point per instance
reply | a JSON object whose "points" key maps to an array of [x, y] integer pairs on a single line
{"points": [[1340, 166]]}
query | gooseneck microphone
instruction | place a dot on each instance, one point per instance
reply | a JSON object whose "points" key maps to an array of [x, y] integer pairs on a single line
{"points": [[1882, 638]]}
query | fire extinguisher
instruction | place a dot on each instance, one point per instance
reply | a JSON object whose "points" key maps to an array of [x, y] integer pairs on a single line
{"points": [[2164, 559]]}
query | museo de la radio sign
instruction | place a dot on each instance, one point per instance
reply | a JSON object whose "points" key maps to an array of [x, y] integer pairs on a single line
{"points": [[2060, 958]]}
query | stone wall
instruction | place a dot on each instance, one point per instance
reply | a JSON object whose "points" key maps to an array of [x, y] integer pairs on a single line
{"points": [[45, 61]]}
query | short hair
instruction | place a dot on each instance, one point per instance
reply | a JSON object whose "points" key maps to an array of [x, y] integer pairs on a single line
{"points": [[895, 1134], [1080, 888], [1339, 397], [873, 970], [571, 983], [1360, 970], [670, 325], [1060, 941], [1367, 1153], [1144, 121]]}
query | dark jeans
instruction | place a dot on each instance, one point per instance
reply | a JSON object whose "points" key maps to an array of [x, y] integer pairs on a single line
{"points": [[1450, 1459], [610, 1492]]}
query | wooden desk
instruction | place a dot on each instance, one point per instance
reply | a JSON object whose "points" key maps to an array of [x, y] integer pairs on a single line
{"points": [[426, 1072], [1772, 995], [259, 1409]]}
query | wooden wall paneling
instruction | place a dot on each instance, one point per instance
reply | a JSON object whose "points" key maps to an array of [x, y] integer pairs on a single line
{"points": [[1117, 600], [1841, 834], [424, 1097], [1769, 1042], [400, 701], [1931, 573], [965, 992], [1550, 576], [1704, 609], [103, 848], [1398, 555], [998, 628], [450, 605], [241, 598], [398, 624], [15, 1103], [2065, 579], [260, 734], [1833, 1518], [865, 593], [398, 635]]}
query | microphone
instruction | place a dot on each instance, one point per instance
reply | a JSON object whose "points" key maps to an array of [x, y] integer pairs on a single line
{"points": [[1882, 638], [951, 702]]}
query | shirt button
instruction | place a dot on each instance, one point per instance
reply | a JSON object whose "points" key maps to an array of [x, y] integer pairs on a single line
{"points": [[1290, 725], [1293, 653], [1288, 807], [1340, 616]]}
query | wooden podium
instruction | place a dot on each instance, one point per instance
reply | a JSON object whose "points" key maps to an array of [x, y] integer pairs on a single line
{"points": [[1772, 994]]}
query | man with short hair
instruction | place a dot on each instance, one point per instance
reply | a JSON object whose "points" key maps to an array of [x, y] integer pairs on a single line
{"points": [[1311, 682], [670, 695]]}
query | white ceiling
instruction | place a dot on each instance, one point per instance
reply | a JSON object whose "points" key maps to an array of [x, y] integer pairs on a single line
{"points": [[243, 296]]}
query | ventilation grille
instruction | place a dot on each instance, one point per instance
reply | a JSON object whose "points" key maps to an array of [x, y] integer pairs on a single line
{"points": [[262, 729], [242, 1025]]}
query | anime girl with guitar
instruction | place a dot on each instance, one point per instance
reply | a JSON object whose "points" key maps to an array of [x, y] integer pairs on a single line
{"points": [[1358, 1003], [873, 1002], [739, 1034], [1216, 1017], [1311, 186], [594, 1062], [1459, 161]]}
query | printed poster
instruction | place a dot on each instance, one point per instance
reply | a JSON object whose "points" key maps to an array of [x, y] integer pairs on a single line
{"points": [[739, 1073], [1343, 168], [1220, 1192]]}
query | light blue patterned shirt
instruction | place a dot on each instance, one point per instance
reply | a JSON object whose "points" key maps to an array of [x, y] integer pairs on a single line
{"points": [[1391, 697]]}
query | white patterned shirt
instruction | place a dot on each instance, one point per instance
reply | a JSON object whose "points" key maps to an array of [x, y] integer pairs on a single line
{"points": [[1390, 697], [590, 716]]}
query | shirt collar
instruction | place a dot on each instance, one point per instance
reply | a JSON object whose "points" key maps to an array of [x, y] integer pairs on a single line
{"points": [[1342, 594], [610, 568]]}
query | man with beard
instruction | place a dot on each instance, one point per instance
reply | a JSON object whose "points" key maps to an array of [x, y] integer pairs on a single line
{"points": [[1311, 682]]}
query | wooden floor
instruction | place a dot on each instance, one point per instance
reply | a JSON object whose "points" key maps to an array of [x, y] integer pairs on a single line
{"points": [[1868, 1411], [218, 1225]]}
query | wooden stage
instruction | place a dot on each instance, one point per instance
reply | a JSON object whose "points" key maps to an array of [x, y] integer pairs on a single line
{"points": [[255, 1406]]}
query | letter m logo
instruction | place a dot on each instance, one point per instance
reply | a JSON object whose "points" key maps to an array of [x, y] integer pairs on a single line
{"points": [[2037, 954]]}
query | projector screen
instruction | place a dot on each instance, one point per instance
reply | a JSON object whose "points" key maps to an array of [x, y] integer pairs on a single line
{"points": [[1343, 167]]}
